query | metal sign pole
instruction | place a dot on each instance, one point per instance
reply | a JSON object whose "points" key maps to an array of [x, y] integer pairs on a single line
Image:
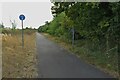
{"points": [[73, 37], [22, 17], [22, 35]]}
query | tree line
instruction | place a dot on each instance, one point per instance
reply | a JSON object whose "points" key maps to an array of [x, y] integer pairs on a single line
{"points": [[97, 23]]}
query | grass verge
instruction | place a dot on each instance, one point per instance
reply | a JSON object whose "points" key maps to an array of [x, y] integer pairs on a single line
{"points": [[18, 62], [95, 58]]}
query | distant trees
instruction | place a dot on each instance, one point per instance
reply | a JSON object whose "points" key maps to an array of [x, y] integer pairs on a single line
{"points": [[41, 29], [2, 25], [27, 28], [30, 28]]}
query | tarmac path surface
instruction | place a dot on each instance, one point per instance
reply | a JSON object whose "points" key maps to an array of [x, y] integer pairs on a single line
{"points": [[56, 62]]}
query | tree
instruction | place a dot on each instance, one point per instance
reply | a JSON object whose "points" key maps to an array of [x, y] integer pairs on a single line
{"points": [[2, 25], [27, 28]]}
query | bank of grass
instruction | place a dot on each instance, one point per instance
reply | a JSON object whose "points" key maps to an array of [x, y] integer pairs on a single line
{"points": [[89, 54], [18, 62]]}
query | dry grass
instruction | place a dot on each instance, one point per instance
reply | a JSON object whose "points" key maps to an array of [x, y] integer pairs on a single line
{"points": [[18, 62]]}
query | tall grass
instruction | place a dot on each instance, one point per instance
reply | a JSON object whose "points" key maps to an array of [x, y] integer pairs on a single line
{"points": [[19, 62]]}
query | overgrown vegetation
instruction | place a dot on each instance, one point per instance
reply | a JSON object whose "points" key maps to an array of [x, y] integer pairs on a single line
{"points": [[95, 28], [18, 62]]}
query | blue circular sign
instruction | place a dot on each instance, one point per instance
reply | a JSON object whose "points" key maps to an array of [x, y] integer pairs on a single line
{"points": [[22, 17]]}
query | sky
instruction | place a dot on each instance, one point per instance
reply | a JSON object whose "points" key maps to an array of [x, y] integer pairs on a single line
{"points": [[36, 13]]}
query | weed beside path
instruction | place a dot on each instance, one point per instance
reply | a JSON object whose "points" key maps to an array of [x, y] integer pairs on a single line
{"points": [[18, 62]]}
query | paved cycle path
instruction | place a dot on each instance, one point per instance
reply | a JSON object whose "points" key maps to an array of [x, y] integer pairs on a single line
{"points": [[56, 62]]}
